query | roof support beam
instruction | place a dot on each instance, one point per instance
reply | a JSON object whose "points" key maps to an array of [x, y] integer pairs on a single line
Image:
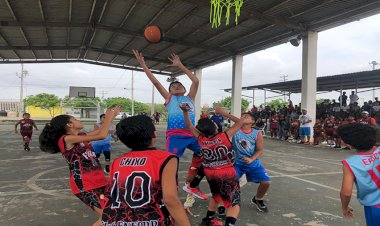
{"points": [[9, 45], [21, 30], [93, 26], [100, 7], [121, 53], [167, 4], [79, 61], [68, 29], [46, 33], [114, 35]]}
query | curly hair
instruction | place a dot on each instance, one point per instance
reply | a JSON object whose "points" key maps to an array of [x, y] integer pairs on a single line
{"points": [[136, 132], [52, 132], [360, 136]]}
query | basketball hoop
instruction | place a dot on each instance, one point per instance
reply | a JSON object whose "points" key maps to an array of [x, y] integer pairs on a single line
{"points": [[217, 8]]}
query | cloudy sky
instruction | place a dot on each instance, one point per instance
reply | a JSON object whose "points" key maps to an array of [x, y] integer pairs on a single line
{"points": [[345, 49]]}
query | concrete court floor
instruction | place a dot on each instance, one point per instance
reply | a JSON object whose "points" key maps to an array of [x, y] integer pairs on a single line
{"points": [[34, 188]]}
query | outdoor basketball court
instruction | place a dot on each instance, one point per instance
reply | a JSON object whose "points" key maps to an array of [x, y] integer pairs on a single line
{"points": [[34, 187]]}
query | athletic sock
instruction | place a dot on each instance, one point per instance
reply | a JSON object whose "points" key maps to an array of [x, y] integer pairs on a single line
{"points": [[230, 221], [197, 179], [210, 215]]}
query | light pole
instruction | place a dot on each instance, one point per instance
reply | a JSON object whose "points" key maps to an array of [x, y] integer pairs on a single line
{"points": [[284, 79], [23, 74], [373, 63], [132, 97]]}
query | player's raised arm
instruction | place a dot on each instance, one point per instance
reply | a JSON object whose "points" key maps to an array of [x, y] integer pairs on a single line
{"points": [[164, 93], [185, 108], [176, 61]]}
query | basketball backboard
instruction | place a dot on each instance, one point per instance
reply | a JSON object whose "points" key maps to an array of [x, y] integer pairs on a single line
{"points": [[83, 92]]}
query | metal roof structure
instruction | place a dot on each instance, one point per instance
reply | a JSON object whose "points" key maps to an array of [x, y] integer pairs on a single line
{"points": [[103, 32], [357, 80]]}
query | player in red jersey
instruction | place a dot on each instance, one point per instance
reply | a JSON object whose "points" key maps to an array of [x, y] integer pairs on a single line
{"points": [[26, 129], [318, 131], [87, 180], [217, 162], [142, 189], [328, 127]]}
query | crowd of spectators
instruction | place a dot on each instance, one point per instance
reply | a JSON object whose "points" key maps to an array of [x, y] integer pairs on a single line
{"points": [[284, 122]]}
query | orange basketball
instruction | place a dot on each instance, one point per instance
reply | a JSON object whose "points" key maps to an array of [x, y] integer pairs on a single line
{"points": [[152, 34]]}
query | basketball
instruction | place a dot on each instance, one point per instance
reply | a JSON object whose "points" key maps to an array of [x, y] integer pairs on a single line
{"points": [[152, 34]]}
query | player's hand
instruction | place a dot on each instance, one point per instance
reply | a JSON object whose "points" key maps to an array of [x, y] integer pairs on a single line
{"points": [[176, 61], [218, 110], [348, 213], [248, 160], [113, 112], [187, 209], [184, 107], [139, 57]]}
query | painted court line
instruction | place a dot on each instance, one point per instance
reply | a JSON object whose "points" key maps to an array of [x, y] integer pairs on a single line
{"points": [[295, 156]]}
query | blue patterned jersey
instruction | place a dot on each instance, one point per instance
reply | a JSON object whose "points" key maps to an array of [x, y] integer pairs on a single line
{"points": [[366, 168], [244, 144], [175, 114]]}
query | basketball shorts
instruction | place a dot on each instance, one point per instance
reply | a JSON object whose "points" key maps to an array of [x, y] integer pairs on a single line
{"points": [[224, 186], [92, 197], [101, 147], [255, 172], [304, 131], [26, 135], [372, 215], [177, 144]]}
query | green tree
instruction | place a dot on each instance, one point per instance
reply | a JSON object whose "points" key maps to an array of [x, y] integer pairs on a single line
{"points": [[126, 105], [226, 102], [277, 103], [81, 102], [320, 101], [44, 101]]}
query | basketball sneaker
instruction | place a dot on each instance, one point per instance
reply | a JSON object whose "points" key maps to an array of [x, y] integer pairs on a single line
{"points": [[212, 222], [307, 142], [189, 201], [260, 205], [194, 191], [107, 169]]}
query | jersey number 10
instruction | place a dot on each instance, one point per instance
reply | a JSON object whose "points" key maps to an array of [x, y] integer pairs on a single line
{"points": [[130, 194]]}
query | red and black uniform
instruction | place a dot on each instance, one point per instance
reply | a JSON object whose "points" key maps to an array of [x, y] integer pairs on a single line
{"points": [[317, 133], [368, 121], [218, 160], [134, 190], [329, 129], [26, 129], [274, 123], [87, 180]]}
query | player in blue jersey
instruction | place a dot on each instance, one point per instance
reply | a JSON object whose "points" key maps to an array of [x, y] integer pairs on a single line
{"points": [[178, 136], [363, 169], [248, 145], [104, 145]]}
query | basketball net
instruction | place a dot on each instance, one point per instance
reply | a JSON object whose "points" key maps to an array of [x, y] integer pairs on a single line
{"points": [[218, 7]]}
